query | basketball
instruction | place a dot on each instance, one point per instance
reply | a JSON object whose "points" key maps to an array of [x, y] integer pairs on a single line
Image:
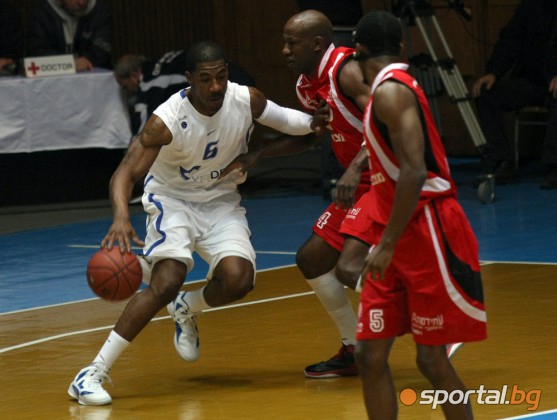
{"points": [[112, 275]]}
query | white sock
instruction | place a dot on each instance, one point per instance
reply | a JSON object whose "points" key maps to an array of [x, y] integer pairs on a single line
{"points": [[111, 350], [195, 300], [333, 298]]}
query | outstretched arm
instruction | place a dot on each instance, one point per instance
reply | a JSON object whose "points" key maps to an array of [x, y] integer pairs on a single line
{"points": [[287, 120], [260, 148]]}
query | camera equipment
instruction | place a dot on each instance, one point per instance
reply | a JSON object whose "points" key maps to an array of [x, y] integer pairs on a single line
{"points": [[420, 13]]}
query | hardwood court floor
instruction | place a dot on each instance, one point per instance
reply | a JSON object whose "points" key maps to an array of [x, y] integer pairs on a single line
{"points": [[253, 354]]}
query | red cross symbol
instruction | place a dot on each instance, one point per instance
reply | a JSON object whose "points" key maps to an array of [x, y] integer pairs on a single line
{"points": [[33, 68]]}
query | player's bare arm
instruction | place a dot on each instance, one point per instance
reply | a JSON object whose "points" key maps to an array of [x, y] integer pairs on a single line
{"points": [[141, 154], [260, 148], [351, 81], [395, 105]]}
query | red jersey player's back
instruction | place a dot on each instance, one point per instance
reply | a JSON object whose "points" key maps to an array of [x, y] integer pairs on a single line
{"points": [[385, 165]]}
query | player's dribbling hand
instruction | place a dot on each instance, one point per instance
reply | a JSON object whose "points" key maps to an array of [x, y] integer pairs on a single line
{"points": [[121, 231]]}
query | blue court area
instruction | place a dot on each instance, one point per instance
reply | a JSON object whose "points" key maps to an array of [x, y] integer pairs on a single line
{"points": [[47, 266]]}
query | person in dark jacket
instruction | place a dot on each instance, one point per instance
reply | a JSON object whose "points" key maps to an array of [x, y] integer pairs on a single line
{"points": [[78, 27], [521, 72], [11, 39]]}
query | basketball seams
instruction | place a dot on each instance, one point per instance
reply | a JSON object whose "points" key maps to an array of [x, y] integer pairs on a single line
{"points": [[114, 277]]}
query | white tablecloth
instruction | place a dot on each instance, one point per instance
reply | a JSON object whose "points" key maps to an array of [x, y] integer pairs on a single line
{"points": [[84, 110]]}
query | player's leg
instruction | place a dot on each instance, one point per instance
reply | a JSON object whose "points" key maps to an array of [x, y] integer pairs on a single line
{"points": [[356, 229], [316, 259], [435, 366], [444, 292], [225, 245], [351, 261], [379, 391], [165, 276]]}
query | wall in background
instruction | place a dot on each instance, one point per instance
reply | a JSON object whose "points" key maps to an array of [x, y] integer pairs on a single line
{"points": [[251, 31]]}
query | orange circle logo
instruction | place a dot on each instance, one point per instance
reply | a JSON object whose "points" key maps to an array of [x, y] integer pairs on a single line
{"points": [[408, 396]]}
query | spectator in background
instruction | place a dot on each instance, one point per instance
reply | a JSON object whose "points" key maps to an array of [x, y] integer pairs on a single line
{"points": [[149, 83], [78, 27], [522, 71], [10, 38]]}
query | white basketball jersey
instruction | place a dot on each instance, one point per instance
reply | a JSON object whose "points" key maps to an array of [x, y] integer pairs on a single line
{"points": [[201, 146]]}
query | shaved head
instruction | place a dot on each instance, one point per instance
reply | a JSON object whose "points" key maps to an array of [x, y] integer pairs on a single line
{"points": [[311, 23]]}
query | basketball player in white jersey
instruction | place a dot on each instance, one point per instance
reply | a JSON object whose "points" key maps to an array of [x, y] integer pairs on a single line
{"points": [[182, 150]]}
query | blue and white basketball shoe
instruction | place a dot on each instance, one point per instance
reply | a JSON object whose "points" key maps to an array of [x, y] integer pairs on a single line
{"points": [[186, 338], [87, 388]]}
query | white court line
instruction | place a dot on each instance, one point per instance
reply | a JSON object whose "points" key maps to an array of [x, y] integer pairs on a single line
{"points": [[540, 414], [139, 248], [96, 298], [108, 327]]}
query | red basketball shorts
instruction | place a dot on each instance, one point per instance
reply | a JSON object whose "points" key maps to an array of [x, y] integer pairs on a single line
{"points": [[433, 287], [357, 222], [329, 223]]}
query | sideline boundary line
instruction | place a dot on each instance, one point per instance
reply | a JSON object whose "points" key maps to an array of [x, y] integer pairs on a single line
{"points": [[106, 327]]}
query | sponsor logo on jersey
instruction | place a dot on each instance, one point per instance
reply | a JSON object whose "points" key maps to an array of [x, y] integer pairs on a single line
{"points": [[186, 173], [353, 212], [190, 175], [423, 323], [377, 178], [337, 138]]}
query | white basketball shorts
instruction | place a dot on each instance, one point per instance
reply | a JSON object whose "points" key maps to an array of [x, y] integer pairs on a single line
{"points": [[177, 228]]}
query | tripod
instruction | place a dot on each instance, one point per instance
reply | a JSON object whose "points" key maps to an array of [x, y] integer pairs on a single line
{"points": [[418, 12]]}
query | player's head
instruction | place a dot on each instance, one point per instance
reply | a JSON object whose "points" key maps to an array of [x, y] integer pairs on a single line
{"points": [[307, 36], [128, 71], [75, 8], [207, 73], [377, 34]]}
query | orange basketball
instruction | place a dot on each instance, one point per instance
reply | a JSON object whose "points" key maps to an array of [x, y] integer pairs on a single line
{"points": [[112, 275]]}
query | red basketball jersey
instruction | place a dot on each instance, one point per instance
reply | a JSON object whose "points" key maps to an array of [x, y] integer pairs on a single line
{"points": [[382, 158], [346, 123]]}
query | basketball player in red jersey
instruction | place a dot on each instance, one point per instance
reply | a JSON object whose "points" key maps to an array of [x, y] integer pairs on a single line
{"points": [[328, 73], [423, 274]]}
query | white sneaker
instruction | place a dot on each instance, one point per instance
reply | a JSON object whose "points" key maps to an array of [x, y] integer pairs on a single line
{"points": [[87, 388], [452, 349], [186, 338]]}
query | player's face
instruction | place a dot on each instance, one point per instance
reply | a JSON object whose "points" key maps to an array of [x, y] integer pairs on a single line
{"points": [[298, 50], [77, 8], [208, 83]]}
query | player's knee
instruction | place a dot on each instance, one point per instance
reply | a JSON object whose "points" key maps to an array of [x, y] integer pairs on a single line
{"points": [[370, 362], [238, 284], [431, 365], [164, 292], [347, 274], [166, 280], [309, 269]]}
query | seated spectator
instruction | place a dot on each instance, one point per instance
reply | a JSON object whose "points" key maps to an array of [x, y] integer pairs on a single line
{"points": [[149, 83], [78, 27], [10, 38], [522, 71]]}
